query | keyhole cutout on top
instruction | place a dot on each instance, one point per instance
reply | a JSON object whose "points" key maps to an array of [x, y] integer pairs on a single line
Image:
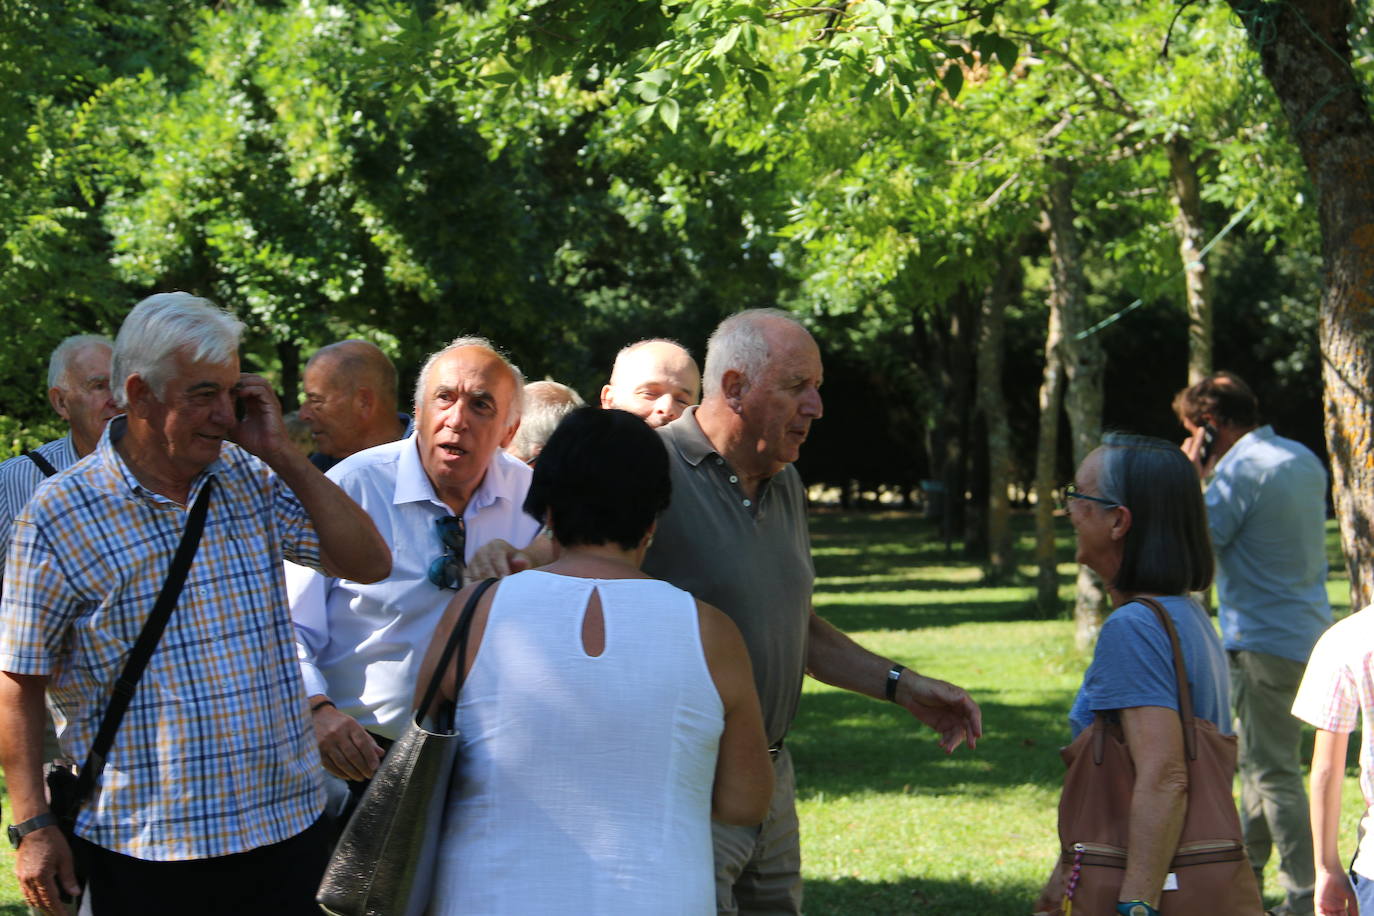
{"points": [[594, 627]]}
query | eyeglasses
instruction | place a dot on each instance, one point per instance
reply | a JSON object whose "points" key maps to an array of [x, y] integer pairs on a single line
{"points": [[446, 571], [1072, 492]]}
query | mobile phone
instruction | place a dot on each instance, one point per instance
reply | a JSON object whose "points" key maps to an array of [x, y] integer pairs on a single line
{"points": [[240, 408], [1209, 436]]}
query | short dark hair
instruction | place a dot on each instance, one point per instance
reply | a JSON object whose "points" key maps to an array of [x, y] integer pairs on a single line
{"points": [[1167, 550], [1224, 395], [602, 478]]}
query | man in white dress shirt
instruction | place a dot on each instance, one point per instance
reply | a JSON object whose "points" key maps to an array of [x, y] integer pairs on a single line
{"points": [[436, 496]]}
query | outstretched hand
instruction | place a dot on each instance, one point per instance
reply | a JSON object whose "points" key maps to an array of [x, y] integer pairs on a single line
{"points": [[947, 709], [494, 560], [497, 559]]}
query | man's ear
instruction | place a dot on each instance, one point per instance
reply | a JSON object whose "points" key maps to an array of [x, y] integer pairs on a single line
{"points": [[140, 395], [606, 397], [733, 386], [365, 400], [1121, 524], [58, 399], [510, 434]]}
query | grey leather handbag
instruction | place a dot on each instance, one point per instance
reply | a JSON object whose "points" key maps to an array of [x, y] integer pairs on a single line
{"points": [[385, 861]]}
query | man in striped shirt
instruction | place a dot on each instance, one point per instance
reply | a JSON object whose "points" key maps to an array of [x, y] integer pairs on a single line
{"points": [[79, 390], [210, 798]]}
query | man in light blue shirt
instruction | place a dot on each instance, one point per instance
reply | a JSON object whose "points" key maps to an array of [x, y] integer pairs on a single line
{"points": [[435, 496], [1266, 507]]}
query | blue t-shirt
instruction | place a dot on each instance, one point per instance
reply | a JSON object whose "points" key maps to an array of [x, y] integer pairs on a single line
{"points": [[1134, 664]]}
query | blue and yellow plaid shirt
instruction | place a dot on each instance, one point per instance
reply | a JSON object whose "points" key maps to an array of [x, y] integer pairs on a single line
{"points": [[216, 754]]}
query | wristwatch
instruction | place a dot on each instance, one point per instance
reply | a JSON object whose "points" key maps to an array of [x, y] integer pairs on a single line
{"points": [[1136, 908], [19, 831]]}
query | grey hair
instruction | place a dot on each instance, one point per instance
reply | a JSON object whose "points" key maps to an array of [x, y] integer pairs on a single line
{"points": [[1168, 549], [739, 343], [60, 361], [161, 326], [517, 404], [546, 403]]}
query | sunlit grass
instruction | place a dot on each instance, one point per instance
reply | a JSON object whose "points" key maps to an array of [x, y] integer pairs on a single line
{"points": [[890, 825]]}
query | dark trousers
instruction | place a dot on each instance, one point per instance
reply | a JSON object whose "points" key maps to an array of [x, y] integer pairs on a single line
{"points": [[276, 880]]}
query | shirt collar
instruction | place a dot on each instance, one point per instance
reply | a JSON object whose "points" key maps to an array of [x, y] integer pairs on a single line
{"points": [[686, 433], [412, 483], [68, 448], [1243, 444]]}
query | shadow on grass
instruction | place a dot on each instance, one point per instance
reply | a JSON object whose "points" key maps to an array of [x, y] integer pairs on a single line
{"points": [[13, 909], [851, 897], [845, 744], [856, 616]]}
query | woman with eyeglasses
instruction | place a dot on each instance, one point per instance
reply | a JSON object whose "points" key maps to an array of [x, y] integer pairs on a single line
{"points": [[606, 716], [1140, 522]]}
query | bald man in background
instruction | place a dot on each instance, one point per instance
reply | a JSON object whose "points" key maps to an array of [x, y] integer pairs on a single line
{"points": [[653, 379], [350, 401]]}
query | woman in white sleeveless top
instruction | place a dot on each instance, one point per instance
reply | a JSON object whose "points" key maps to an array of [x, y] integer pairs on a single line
{"points": [[606, 716]]}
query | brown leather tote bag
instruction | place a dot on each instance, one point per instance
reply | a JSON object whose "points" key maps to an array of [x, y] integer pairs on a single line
{"points": [[1210, 873]]}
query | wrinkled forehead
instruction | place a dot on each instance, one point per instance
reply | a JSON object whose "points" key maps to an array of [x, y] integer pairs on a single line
{"points": [[323, 374], [91, 361], [471, 369], [203, 374], [794, 356], [657, 362]]}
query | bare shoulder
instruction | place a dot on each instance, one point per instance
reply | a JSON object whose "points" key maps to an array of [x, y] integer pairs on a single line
{"points": [[717, 629]]}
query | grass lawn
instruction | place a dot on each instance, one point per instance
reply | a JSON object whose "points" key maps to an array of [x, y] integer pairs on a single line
{"points": [[890, 825]]}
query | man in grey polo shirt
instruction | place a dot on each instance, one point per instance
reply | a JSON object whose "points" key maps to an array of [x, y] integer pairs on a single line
{"points": [[736, 536]]}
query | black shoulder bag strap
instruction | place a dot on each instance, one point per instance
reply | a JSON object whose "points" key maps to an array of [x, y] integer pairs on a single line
{"points": [[457, 644], [143, 648], [43, 464]]}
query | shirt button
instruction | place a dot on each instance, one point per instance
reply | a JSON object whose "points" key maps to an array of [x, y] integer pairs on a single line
{"points": [[720, 461], [734, 479], [747, 504]]}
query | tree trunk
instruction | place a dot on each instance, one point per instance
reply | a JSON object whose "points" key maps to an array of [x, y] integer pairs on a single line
{"points": [[1183, 180], [1305, 53], [993, 407], [947, 348], [289, 353], [1046, 462], [1084, 363]]}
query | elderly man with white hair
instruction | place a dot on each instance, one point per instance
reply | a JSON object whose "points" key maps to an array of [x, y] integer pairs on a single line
{"points": [[210, 797], [79, 392], [436, 496]]}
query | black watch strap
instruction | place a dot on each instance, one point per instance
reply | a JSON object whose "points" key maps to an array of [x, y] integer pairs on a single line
{"points": [[894, 675], [18, 831]]}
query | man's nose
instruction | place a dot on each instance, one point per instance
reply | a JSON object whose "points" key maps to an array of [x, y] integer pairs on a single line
{"points": [[456, 417], [223, 413]]}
